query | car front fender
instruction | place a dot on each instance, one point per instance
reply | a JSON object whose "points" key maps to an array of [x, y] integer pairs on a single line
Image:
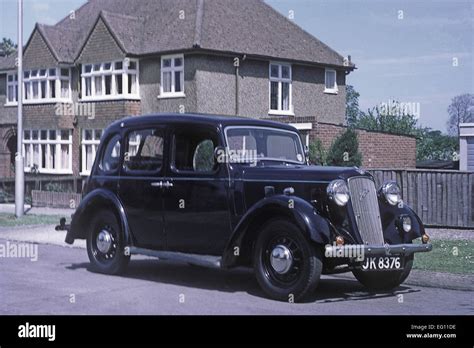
{"points": [[302, 213], [390, 216]]}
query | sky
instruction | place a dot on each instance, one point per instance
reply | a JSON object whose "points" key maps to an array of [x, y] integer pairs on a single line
{"points": [[418, 52]]}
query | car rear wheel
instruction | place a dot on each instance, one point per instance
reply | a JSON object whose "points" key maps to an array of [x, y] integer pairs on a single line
{"points": [[384, 280], [287, 264], [105, 244]]}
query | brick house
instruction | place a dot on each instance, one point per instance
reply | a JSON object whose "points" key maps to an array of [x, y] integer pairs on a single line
{"points": [[114, 58]]}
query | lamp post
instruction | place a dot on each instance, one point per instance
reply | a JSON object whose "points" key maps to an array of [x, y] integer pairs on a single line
{"points": [[19, 165]]}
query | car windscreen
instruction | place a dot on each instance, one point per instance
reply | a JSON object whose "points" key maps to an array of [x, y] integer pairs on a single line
{"points": [[252, 144]]}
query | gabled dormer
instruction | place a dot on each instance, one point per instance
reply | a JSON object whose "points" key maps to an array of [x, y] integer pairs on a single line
{"points": [[107, 70], [46, 78], [38, 52]]}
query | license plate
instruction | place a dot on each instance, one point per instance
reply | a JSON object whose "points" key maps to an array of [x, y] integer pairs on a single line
{"points": [[382, 263]]}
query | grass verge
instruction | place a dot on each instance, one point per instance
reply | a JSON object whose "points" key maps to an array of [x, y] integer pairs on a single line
{"points": [[8, 220], [452, 256]]}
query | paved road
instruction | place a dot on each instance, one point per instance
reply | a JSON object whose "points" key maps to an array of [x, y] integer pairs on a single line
{"points": [[158, 287]]}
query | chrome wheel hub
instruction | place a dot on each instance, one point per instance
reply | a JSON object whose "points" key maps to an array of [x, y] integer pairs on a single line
{"points": [[104, 241], [281, 259]]}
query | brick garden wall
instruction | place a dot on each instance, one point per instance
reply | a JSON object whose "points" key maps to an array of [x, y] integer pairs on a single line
{"points": [[379, 150]]}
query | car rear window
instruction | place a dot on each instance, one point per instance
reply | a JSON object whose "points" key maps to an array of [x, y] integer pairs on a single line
{"points": [[111, 157]]}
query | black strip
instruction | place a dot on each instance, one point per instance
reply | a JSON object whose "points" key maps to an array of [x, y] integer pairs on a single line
{"points": [[261, 330]]}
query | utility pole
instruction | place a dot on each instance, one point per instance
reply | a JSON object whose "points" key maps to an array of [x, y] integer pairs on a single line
{"points": [[19, 165]]}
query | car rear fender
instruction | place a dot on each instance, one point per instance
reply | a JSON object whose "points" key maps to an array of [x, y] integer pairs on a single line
{"points": [[93, 202]]}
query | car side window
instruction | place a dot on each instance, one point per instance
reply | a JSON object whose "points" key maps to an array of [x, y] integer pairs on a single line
{"points": [[193, 151], [111, 156], [144, 150]]}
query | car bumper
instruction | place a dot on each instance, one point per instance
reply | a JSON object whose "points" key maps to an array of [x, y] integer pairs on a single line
{"points": [[378, 250], [65, 227]]}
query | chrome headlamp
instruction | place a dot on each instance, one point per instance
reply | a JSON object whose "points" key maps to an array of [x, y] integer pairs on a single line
{"points": [[338, 192], [392, 193]]}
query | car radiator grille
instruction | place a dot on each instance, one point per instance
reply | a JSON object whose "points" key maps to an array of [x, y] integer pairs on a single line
{"points": [[366, 210]]}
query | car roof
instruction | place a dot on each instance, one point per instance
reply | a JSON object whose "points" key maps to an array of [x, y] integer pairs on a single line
{"points": [[214, 120]]}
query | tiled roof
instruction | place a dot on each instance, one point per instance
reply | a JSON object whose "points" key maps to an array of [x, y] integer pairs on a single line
{"points": [[248, 27]]}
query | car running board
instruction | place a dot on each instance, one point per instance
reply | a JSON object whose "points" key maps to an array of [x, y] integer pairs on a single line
{"points": [[208, 261]]}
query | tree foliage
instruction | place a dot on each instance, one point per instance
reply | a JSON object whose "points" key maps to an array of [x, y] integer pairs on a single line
{"points": [[394, 118], [352, 105], [344, 151], [317, 153], [434, 145], [8, 46], [389, 119], [460, 110]]}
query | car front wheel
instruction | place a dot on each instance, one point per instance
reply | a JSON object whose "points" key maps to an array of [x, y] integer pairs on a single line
{"points": [[105, 244], [287, 264]]}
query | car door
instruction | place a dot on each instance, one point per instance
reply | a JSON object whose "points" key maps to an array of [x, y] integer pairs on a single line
{"points": [[196, 205], [140, 187]]}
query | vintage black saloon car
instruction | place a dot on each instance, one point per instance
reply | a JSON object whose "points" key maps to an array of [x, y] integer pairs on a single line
{"points": [[226, 192]]}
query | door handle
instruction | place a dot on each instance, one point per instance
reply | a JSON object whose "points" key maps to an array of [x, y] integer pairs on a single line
{"points": [[162, 184], [168, 184]]}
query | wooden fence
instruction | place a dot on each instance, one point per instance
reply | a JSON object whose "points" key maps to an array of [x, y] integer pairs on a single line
{"points": [[55, 199], [69, 184], [442, 198]]}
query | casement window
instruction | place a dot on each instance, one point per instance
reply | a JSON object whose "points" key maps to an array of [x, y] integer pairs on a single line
{"points": [[41, 86], [90, 143], [110, 80], [12, 88], [172, 76], [48, 151], [330, 81], [280, 89]]}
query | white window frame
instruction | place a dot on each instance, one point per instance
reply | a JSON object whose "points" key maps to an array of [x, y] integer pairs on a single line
{"points": [[38, 78], [335, 89], [280, 79], [102, 72], [28, 145], [94, 143], [14, 85], [172, 69]]}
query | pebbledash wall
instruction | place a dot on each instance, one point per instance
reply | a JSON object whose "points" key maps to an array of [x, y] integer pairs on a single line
{"points": [[379, 150]]}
